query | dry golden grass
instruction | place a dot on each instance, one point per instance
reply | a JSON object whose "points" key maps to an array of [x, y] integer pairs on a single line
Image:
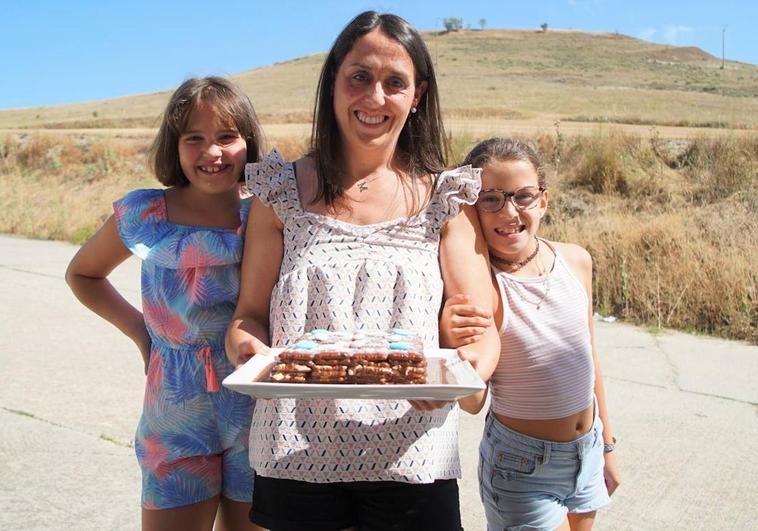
{"points": [[56, 187], [498, 75], [672, 225], [673, 230]]}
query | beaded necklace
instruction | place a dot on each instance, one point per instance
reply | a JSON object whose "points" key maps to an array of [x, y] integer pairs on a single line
{"points": [[518, 264]]}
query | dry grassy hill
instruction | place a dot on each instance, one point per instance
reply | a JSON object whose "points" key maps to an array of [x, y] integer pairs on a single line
{"points": [[496, 74], [669, 214]]}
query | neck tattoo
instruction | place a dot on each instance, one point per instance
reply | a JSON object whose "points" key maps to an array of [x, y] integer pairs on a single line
{"points": [[515, 265], [363, 183]]}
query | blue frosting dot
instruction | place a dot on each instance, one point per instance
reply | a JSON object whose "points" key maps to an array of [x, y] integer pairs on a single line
{"points": [[399, 345], [400, 332], [319, 331], [306, 345]]}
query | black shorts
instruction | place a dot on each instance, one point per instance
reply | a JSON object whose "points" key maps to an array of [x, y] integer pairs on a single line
{"points": [[284, 505]]}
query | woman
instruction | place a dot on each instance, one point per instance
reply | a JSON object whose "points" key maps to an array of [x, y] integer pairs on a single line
{"points": [[361, 233]]}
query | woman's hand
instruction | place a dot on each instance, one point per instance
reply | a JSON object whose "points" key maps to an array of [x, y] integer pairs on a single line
{"points": [[246, 349], [462, 322], [478, 398], [429, 405]]}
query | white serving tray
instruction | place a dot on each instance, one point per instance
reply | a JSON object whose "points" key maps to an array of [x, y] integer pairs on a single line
{"points": [[449, 379]]}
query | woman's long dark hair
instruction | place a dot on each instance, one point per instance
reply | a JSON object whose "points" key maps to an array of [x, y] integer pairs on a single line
{"points": [[422, 146]]}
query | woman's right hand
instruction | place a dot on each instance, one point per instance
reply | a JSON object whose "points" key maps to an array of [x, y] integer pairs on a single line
{"points": [[463, 322], [248, 348], [261, 262], [241, 344]]}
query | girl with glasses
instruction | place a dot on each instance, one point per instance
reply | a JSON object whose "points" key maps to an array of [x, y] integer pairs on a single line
{"points": [[546, 458]]}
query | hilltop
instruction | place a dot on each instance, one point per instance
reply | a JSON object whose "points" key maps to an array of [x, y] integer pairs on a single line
{"points": [[495, 75]]}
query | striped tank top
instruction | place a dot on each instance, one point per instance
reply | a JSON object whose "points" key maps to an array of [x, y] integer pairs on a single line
{"points": [[546, 369]]}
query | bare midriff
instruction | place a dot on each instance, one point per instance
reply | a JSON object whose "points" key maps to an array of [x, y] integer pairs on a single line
{"points": [[557, 430]]}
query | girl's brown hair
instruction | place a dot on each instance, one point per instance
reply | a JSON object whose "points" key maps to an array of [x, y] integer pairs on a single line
{"points": [[422, 146], [225, 98], [503, 150]]}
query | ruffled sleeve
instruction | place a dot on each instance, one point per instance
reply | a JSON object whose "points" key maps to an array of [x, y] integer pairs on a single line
{"points": [[273, 182], [144, 228], [454, 188], [139, 218]]}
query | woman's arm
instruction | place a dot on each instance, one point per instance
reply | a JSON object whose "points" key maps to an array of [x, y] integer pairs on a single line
{"points": [[465, 269], [581, 262], [248, 333], [86, 276]]}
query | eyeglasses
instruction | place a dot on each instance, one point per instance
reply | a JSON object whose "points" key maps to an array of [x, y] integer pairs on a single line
{"points": [[493, 199]]}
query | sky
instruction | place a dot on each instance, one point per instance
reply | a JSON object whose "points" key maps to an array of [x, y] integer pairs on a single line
{"points": [[59, 52]]}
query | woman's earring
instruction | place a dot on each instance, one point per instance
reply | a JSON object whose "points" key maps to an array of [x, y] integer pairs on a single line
{"points": [[413, 110]]}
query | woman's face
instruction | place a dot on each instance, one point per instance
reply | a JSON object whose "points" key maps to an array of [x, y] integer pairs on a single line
{"points": [[510, 230], [374, 90]]}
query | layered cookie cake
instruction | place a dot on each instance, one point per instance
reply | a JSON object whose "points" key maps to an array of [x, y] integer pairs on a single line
{"points": [[322, 356]]}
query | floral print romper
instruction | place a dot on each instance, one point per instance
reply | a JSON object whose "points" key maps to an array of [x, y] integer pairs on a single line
{"points": [[192, 438]]}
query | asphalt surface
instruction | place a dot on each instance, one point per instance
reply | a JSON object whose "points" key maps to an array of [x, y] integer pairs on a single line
{"points": [[683, 409]]}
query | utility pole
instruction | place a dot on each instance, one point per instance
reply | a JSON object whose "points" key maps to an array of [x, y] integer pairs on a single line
{"points": [[723, 33]]}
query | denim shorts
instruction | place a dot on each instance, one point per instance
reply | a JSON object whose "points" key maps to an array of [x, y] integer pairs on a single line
{"points": [[530, 484]]}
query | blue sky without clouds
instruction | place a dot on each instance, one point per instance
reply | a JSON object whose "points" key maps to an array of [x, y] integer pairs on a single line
{"points": [[78, 50]]}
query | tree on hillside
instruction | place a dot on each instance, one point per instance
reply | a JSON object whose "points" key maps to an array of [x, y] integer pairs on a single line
{"points": [[452, 23], [544, 27], [482, 22]]}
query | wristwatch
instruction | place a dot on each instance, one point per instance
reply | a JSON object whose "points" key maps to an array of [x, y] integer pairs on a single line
{"points": [[609, 447]]}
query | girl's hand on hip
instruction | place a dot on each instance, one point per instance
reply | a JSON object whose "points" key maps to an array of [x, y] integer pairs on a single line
{"points": [[611, 472], [144, 344]]}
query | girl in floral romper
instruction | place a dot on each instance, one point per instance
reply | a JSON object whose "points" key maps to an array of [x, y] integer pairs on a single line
{"points": [[366, 232], [191, 441]]}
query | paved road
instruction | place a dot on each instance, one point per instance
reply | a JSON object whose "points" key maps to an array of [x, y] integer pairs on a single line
{"points": [[683, 408]]}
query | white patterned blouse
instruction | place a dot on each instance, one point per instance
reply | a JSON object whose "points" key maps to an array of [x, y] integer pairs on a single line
{"points": [[340, 276]]}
